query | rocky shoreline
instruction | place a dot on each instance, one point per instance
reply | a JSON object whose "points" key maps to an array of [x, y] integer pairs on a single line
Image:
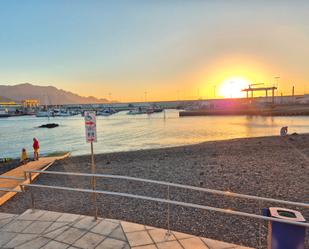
{"points": [[273, 167]]}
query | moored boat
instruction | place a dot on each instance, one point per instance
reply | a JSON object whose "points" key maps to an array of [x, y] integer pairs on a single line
{"points": [[4, 113], [43, 114]]}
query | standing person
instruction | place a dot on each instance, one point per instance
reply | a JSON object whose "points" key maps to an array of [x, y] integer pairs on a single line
{"points": [[36, 148]]}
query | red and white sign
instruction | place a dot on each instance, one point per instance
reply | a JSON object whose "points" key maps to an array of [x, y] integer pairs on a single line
{"points": [[91, 127]]}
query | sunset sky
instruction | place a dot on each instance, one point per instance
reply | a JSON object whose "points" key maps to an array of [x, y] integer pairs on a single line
{"points": [[169, 49]]}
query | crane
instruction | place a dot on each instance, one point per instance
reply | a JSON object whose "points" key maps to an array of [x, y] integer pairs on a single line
{"points": [[257, 84]]}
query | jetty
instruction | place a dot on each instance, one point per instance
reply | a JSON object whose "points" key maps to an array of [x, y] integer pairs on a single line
{"points": [[273, 110], [11, 180]]}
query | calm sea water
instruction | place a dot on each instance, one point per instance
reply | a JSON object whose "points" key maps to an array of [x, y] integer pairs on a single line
{"points": [[121, 132]]}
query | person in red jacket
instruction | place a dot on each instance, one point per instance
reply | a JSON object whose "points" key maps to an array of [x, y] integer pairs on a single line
{"points": [[36, 148]]}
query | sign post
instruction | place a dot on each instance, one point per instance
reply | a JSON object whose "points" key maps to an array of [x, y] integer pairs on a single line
{"points": [[91, 137]]}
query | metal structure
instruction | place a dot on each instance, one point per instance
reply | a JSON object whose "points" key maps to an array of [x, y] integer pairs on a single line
{"points": [[168, 201], [259, 89]]}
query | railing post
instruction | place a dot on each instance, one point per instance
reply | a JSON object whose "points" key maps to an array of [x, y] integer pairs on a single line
{"points": [[94, 183], [32, 201], [168, 233], [30, 177]]}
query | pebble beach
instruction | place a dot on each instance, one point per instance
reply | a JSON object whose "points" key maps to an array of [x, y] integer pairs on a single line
{"points": [[275, 167]]}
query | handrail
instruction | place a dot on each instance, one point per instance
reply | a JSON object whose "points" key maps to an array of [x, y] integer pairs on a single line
{"points": [[10, 190], [220, 210], [12, 178], [212, 191]]}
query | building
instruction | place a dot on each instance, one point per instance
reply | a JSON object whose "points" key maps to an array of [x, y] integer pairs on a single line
{"points": [[30, 103], [12, 107]]}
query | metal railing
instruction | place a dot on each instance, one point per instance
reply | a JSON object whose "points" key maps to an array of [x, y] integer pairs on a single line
{"points": [[211, 191], [10, 190], [12, 178], [168, 201]]}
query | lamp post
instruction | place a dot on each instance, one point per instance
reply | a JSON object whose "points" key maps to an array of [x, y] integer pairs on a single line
{"points": [[277, 83]]}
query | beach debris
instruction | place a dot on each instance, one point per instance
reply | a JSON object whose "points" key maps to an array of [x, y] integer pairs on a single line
{"points": [[49, 126]]}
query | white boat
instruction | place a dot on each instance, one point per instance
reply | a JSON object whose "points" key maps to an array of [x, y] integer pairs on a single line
{"points": [[43, 114], [60, 113], [105, 113], [141, 110], [63, 113], [4, 113]]}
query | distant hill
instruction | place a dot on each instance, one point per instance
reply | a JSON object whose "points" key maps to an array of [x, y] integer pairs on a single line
{"points": [[45, 94], [5, 99]]}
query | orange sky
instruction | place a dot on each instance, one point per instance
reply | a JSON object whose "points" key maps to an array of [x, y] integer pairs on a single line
{"points": [[155, 50]]}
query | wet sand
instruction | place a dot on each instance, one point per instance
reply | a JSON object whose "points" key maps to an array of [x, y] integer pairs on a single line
{"points": [[270, 167]]}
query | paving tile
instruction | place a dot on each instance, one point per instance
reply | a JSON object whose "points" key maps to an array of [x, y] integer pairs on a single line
{"points": [[242, 247], [131, 227], [150, 227], [118, 234], [54, 226], [33, 244], [145, 247], [55, 245], [179, 235], [6, 216], [139, 238], [31, 214], [68, 217], [70, 236], [3, 222], [104, 227], [55, 233], [89, 240], [215, 244], [37, 227], [169, 245], [16, 226], [20, 239], [50, 216], [112, 244], [112, 220], [160, 235], [86, 223], [193, 243], [5, 237]]}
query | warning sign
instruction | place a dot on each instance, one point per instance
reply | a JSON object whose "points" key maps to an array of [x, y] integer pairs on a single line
{"points": [[91, 127]]}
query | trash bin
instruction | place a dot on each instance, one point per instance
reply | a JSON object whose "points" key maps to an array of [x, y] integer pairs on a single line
{"points": [[282, 235]]}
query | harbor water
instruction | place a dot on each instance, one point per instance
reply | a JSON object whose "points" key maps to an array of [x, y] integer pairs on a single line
{"points": [[122, 132]]}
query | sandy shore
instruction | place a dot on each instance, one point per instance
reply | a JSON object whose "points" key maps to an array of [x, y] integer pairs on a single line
{"points": [[270, 167]]}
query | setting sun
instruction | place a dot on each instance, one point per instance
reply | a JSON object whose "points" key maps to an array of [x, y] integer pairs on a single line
{"points": [[231, 87]]}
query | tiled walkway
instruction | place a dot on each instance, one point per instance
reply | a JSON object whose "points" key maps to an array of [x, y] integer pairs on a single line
{"points": [[44, 229]]}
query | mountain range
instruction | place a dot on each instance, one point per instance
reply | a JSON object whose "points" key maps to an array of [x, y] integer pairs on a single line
{"points": [[47, 95]]}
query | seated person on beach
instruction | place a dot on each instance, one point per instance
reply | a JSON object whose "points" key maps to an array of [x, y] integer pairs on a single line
{"points": [[36, 148], [284, 131], [24, 156]]}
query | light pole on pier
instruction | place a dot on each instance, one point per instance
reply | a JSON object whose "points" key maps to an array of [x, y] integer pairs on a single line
{"points": [[215, 91], [277, 83]]}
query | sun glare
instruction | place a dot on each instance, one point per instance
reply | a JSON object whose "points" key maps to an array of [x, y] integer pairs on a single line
{"points": [[231, 88]]}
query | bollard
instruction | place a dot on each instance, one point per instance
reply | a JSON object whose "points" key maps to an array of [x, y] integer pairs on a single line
{"points": [[285, 236]]}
